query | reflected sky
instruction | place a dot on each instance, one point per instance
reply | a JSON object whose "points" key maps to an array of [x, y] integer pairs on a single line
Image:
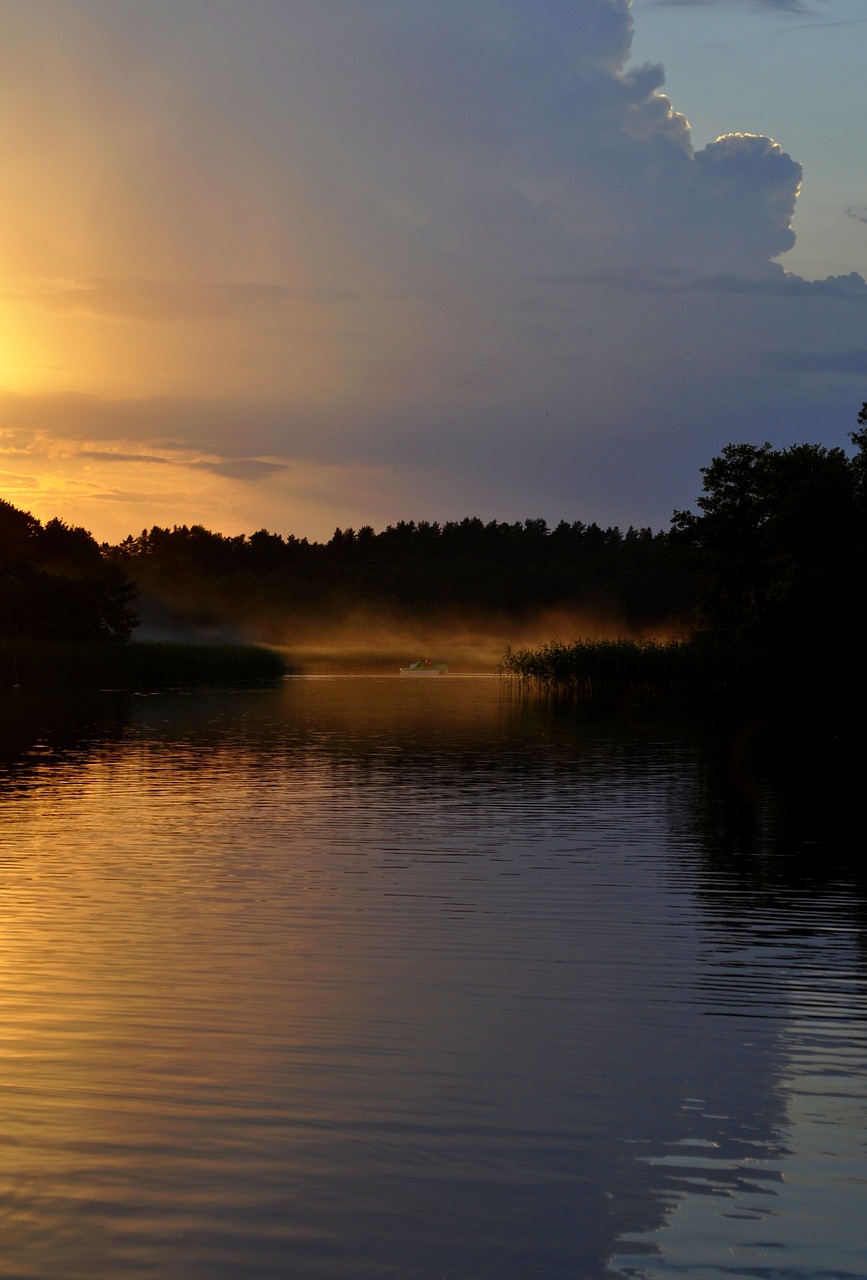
{"points": [[371, 977], [798, 1212]]}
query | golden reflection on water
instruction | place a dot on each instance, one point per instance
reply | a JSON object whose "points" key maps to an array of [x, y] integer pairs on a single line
{"points": [[359, 970], [121, 911]]}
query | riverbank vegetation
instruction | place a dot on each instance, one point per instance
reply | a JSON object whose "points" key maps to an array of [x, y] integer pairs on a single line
{"points": [[777, 554], [602, 666], [423, 576], [66, 616], [760, 585], [39, 663]]}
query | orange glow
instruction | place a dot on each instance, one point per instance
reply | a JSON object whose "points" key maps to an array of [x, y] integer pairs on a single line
{"points": [[21, 368]]}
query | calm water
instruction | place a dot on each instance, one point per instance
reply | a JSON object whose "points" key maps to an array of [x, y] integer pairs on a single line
{"points": [[378, 978]]}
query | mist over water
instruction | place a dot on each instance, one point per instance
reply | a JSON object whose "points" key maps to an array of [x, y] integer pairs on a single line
{"points": [[360, 977], [371, 642]]}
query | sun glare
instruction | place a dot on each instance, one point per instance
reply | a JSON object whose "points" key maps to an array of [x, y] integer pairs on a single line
{"points": [[8, 358], [19, 365]]}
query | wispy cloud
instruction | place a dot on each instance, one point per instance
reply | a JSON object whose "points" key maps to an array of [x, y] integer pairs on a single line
{"points": [[785, 8], [551, 294], [107, 455], [252, 469], [234, 468], [772, 6], [154, 300]]}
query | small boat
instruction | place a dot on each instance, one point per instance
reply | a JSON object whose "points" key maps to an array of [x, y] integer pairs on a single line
{"points": [[425, 668]]}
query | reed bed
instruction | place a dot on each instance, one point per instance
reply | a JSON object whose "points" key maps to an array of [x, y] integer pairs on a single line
{"points": [[593, 667], [31, 663]]}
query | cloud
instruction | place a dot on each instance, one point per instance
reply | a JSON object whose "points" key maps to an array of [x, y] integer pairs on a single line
{"points": [[422, 138], [233, 468], [153, 498], [395, 145], [12, 481], [155, 301], [773, 6], [440, 258], [248, 469], [550, 148], [103, 455], [784, 8], [849, 288], [779, 284]]}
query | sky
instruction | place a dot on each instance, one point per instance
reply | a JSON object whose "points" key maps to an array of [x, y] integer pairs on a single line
{"points": [[301, 264]]}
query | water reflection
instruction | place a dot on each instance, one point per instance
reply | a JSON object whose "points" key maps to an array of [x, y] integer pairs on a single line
{"points": [[797, 1213], [369, 977]]}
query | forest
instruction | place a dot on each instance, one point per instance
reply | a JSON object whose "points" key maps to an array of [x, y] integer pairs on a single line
{"points": [[58, 584], [765, 576], [268, 584]]}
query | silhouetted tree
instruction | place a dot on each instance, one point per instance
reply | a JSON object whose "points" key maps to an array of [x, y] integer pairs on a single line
{"points": [[56, 585], [777, 546], [423, 569]]}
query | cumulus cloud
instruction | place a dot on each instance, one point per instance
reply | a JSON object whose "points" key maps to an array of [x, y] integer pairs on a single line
{"points": [[521, 134], [628, 186], [420, 138]]}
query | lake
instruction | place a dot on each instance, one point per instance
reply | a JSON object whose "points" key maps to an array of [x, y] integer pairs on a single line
{"points": [[361, 977]]}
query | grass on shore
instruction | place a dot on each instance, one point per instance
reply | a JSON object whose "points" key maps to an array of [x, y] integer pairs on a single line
{"points": [[31, 663], [612, 666]]}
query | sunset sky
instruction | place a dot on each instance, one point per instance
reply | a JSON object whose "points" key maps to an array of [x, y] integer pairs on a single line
{"points": [[307, 263]]}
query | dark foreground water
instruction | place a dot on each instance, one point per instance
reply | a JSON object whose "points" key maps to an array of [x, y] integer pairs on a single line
{"points": [[388, 978]]}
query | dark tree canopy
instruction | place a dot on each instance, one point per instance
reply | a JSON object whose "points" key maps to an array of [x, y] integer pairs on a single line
{"points": [[55, 583], [413, 569], [778, 547], [770, 566]]}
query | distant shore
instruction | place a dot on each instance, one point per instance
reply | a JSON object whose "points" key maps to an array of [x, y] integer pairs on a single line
{"points": [[28, 663]]}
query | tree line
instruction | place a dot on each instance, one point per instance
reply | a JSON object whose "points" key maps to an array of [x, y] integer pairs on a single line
{"points": [[57, 583], [417, 570], [769, 567]]}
